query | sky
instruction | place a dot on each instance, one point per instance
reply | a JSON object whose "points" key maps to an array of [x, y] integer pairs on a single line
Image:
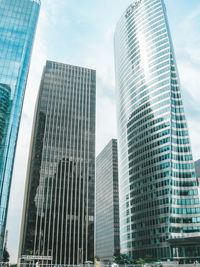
{"points": [[81, 33]]}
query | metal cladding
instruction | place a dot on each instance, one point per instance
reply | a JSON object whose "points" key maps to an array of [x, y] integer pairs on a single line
{"points": [[58, 217]]}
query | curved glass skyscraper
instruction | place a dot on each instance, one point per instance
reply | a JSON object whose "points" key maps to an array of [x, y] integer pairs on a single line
{"points": [[18, 20], [159, 198]]}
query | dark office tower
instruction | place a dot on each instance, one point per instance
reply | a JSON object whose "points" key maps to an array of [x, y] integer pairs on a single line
{"points": [[107, 202], [18, 19], [58, 215], [159, 199]]}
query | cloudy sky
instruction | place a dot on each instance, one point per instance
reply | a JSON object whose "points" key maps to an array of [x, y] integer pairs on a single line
{"points": [[81, 33]]}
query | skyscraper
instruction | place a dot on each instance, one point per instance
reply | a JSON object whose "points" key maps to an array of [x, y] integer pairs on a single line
{"points": [[18, 19], [159, 198], [107, 202], [197, 171], [58, 214], [197, 168]]}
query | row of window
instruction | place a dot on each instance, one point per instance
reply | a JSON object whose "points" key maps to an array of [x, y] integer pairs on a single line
{"points": [[149, 117], [150, 170], [160, 184], [148, 139], [132, 28], [174, 82], [166, 210], [152, 11], [143, 84], [184, 229], [153, 195], [135, 84], [138, 94], [148, 205], [150, 179], [185, 210], [183, 183], [179, 133], [182, 157], [147, 214], [179, 125], [149, 104], [145, 242], [191, 192], [178, 117], [149, 187], [160, 59], [147, 125], [182, 220], [145, 233], [152, 40], [158, 44], [177, 102], [148, 97], [183, 174], [149, 163], [189, 201], [162, 201], [179, 141], [178, 166], [149, 154], [148, 147], [144, 224], [179, 149], [143, 115]]}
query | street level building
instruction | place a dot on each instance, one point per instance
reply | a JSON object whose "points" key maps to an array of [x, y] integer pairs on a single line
{"points": [[18, 19], [107, 203], [58, 214], [159, 198]]}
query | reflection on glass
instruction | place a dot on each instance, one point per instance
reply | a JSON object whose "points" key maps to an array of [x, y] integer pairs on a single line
{"points": [[156, 170], [58, 216], [18, 20]]}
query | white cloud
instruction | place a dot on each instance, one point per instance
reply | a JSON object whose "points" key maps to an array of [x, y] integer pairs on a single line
{"points": [[55, 32]]}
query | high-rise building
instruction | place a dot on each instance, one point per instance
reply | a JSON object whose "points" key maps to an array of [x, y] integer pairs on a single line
{"points": [[18, 19], [159, 198], [107, 202], [197, 168], [58, 214]]}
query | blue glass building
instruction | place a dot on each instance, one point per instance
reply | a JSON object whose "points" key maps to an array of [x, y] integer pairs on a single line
{"points": [[18, 19], [159, 196]]}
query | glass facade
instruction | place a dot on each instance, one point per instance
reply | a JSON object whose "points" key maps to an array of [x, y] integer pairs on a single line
{"points": [[197, 168], [18, 19], [58, 215], [159, 197], [107, 202]]}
